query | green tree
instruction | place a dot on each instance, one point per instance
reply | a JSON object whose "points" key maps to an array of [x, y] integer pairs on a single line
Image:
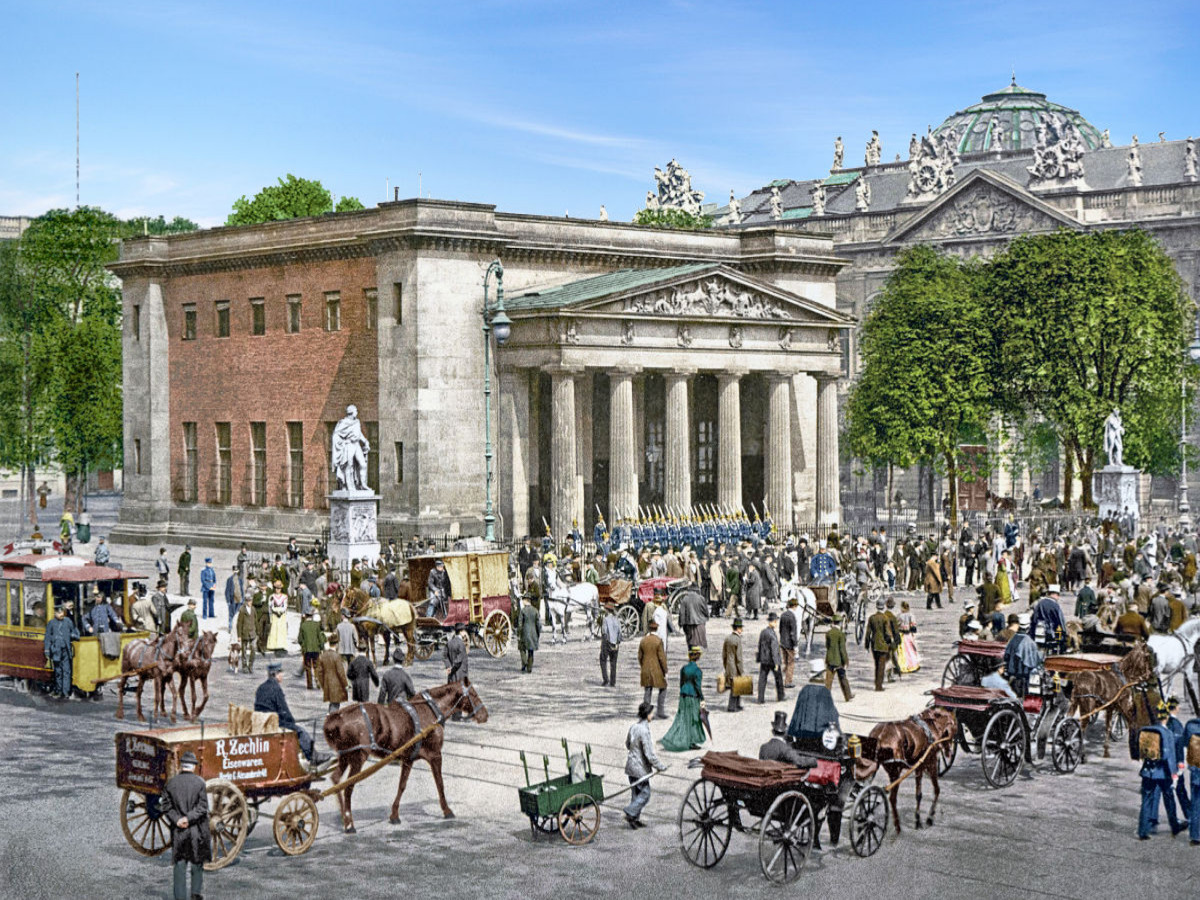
{"points": [[1083, 324], [671, 217], [924, 387], [291, 198], [158, 225]]}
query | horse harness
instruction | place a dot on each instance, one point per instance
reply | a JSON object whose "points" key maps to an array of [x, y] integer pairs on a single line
{"points": [[438, 715]]}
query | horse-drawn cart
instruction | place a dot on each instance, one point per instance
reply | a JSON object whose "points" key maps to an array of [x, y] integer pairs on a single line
{"points": [[568, 804], [479, 598]]}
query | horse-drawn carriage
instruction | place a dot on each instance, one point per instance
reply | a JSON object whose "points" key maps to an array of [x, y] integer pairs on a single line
{"points": [[631, 605], [818, 603], [33, 586], [479, 597], [973, 661]]}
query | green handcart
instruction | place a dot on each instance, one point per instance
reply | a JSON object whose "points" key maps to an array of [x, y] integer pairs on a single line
{"points": [[568, 804]]}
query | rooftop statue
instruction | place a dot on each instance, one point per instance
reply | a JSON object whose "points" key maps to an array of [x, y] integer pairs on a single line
{"points": [[862, 195], [675, 190], [818, 199], [776, 204], [839, 152]]}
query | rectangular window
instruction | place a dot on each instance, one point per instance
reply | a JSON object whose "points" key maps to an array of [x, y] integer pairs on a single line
{"points": [[295, 431], [189, 322], [137, 322], [293, 320], [222, 318], [398, 302], [399, 462], [224, 462], [333, 311], [190, 476], [706, 452], [371, 433], [371, 298], [258, 315], [137, 456], [258, 463]]}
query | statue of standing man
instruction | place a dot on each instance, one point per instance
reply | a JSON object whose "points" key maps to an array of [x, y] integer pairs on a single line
{"points": [[349, 450], [1114, 438]]}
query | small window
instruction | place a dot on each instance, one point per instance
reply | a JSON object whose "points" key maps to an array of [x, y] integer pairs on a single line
{"points": [[258, 463], [222, 318], [371, 433], [333, 311], [399, 462], [190, 464], [398, 302], [189, 322], [295, 432], [224, 435], [258, 315], [293, 320], [371, 298], [137, 322]]}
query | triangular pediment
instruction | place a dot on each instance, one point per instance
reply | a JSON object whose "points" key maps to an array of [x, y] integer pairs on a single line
{"points": [[698, 291], [982, 205]]}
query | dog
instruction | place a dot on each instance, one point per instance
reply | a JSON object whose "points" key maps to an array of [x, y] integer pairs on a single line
{"points": [[235, 657]]}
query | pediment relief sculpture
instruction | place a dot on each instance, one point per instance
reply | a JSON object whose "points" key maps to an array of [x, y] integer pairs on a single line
{"points": [[713, 297]]}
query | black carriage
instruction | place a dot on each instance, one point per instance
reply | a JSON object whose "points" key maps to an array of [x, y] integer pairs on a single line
{"points": [[973, 661]]}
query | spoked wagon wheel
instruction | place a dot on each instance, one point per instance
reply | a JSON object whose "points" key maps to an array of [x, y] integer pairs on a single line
{"points": [[544, 824], [1117, 728], [1066, 745], [497, 631], [296, 822], [228, 822], [704, 825], [946, 754], [785, 837], [959, 671], [424, 649], [145, 826], [868, 821], [1003, 748], [860, 619], [579, 819], [631, 621]]}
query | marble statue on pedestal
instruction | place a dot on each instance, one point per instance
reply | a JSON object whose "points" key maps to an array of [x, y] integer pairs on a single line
{"points": [[353, 514], [1115, 487], [675, 189], [349, 453], [1114, 438], [603, 213], [735, 210], [874, 150]]}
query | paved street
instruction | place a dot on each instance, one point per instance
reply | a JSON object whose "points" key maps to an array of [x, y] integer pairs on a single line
{"points": [[1047, 835]]}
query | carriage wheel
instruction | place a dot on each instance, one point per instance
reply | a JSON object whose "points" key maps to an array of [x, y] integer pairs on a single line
{"points": [[1118, 727], [704, 825], [868, 821], [959, 671], [946, 754], [497, 632], [631, 621], [544, 824], [579, 819], [860, 620], [228, 822], [296, 823], [594, 625], [1003, 748], [145, 827], [1066, 745], [424, 649], [785, 837]]}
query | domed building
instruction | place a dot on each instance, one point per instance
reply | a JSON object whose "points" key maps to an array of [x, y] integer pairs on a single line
{"points": [[1013, 163]]}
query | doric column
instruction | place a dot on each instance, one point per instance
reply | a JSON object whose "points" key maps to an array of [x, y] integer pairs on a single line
{"points": [[622, 463], [828, 497], [583, 447], [562, 451], [729, 440], [513, 455], [678, 448], [779, 449]]}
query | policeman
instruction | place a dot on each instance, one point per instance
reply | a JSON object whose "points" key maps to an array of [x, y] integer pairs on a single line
{"points": [[58, 647], [1157, 748]]}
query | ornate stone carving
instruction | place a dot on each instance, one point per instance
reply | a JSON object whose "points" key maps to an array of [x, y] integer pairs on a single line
{"points": [[785, 338], [570, 333], [714, 297], [362, 528], [818, 199], [776, 204], [675, 189], [735, 210], [339, 523], [1134, 160], [985, 210], [1189, 159], [651, 200], [914, 146], [603, 213], [931, 171], [1057, 155], [862, 195], [684, 337], [833, 341], [735, 337], [627, 332], [839, 152], [874, 150], [997, 134], [1105, 140]]}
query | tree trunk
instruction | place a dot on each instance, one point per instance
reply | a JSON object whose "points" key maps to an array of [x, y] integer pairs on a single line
{"points": [[70, 489], [952, 475], [891, 495], [1086, 468], [1068, 485], [32, 497]]}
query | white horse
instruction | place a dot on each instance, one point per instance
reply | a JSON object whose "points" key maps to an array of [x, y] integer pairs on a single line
{"points": [[564, 599], [806, 612], [1174, 652]]}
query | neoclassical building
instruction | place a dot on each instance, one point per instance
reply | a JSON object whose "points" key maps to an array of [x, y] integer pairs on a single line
{"points": [[1014, 163], [645, 369]]}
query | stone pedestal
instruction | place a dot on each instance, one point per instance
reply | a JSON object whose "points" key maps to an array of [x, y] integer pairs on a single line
{"points": [[1115, 489], [352, 526]]}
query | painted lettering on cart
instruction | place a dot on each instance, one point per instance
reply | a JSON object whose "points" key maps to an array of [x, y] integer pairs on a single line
{"points": [[242, 758]]}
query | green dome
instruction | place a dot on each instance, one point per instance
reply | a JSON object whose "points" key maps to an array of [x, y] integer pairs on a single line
{"points": [[1018, 111]]}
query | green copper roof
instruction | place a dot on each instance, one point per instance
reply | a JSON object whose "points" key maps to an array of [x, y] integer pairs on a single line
{"points": [[780, 182], [800, 212], [841, 178], [1017, 111], [577, 292]]}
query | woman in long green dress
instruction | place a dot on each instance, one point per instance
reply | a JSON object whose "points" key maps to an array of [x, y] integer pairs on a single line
{"points": [[687, 732]]}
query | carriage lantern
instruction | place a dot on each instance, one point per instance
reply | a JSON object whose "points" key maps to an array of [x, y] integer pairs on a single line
{"points": [[854, 746]]}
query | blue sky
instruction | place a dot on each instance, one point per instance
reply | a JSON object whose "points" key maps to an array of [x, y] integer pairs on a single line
{"points": [[537, 107]]}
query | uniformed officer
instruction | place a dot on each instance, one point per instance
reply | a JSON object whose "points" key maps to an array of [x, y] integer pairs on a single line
{"points": [[59, 648], [1158, 769], [576, 538], [599, 531], [1187, 750]]}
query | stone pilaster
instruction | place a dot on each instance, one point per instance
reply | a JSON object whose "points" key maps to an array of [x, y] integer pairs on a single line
{"points": [[678, 449], [513, 458], [622, 478], [828, 497], [583, 447], [562, 451], [729, 440], [779, 449]]}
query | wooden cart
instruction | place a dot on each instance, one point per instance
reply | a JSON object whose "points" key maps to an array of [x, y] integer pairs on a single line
{"points": [[568, 804]]}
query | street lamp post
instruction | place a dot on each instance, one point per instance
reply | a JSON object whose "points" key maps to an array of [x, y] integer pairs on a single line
{"points": [[1193, 355], [495, 320]]}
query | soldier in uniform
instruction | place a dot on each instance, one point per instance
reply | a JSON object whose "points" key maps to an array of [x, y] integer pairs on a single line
{"points": [[184, 568], [1157, 774], [59, 648]]}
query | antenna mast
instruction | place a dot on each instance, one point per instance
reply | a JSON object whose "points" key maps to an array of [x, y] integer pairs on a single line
{"points": [[77, 140]]}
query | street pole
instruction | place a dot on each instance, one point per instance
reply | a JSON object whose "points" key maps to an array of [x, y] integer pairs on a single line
{"points": [[493, 319], [1185, 519]]}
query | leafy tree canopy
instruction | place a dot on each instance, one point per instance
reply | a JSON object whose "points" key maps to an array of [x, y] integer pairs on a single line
{"points": [[670, 217], [291, 198], [157, 226]]}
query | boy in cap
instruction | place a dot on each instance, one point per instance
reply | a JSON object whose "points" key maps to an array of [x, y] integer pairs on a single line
{"points": [[189, 616], [185, 806], [639, 764]]}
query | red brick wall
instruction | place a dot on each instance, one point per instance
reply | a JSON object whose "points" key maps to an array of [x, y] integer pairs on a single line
{"points": [[276, 377]]}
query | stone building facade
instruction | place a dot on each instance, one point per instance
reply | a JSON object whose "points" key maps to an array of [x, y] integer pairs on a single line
{"points": [[645, 367]]}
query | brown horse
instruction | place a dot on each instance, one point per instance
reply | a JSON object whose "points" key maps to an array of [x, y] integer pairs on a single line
{"points": [[357, 731], [371, 619], [193, 665], [143, 659], [901, 744], [1092, 690]]}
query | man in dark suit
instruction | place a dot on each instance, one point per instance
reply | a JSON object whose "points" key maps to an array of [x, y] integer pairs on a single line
{"points": [[731, 657], [269, 699], [361, 673], [185, 806], [770, 659], [789, 634], [881, 638], [396, 684]]}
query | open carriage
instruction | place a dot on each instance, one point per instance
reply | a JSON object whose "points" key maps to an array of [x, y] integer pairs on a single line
{"points": [[973, 661], [479, 598]]}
